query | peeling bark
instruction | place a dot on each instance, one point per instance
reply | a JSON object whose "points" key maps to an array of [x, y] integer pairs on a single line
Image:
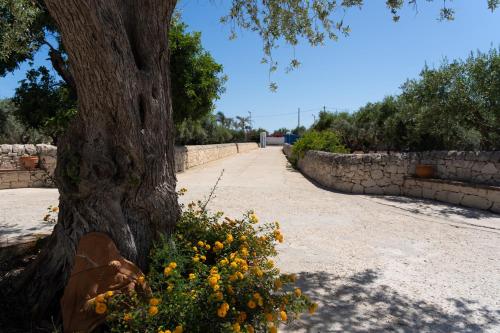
{"points": [[115, 170]]}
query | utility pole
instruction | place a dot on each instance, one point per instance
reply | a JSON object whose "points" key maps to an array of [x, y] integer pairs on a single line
{"points": [[324, 108], [298, 119]]}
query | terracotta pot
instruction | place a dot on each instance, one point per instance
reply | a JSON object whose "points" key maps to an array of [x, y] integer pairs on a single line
{"points": [[29, 162], [424, 171]]}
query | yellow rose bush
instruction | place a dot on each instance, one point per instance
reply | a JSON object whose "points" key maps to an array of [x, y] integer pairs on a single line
{"points": [[213, 274]]}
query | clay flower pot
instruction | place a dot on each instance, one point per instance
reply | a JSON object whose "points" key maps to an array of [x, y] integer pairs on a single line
{"points": [[29, 162], [424, 171]]}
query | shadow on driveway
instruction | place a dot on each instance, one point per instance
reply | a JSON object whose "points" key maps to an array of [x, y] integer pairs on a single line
{"points": [[359, 304]]}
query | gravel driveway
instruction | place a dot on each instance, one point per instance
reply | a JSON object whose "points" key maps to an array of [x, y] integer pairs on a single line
{"points": [[375, 264]]}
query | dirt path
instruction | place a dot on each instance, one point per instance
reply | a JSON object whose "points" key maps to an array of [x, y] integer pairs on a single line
{"points": [[375, 264]]}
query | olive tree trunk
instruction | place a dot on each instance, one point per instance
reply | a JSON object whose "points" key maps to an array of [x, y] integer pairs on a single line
{"points": [[115, 170]]}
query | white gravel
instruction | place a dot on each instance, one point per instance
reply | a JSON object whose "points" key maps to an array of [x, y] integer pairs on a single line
{"points": [[374, 264]]}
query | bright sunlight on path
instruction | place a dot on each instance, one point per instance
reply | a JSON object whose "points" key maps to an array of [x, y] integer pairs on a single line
{"points": [[375, 264]]}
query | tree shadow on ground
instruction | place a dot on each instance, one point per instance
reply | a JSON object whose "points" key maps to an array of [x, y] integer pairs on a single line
{"points": [[422, 206], [359, 304]]}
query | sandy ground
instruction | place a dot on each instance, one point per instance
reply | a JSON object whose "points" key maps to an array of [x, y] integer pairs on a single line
{"points": [[374, 264]]}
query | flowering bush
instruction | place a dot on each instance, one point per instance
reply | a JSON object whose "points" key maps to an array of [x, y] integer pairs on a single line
{"points": [[213, 274]]}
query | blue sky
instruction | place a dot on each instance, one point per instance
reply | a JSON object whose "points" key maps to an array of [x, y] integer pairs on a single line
{"points": [[371, 63]]}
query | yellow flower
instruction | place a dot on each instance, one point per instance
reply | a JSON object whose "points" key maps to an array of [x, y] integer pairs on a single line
{"points": [[273, 329], [293, 277], [207, 246], [251, 304], [256, 296], [244, 252], [192, 276], [236, 327], [270, 263], [253, 218], [223, 262], [100, 298], [278, 284], [109, 293], [196, 259], [242, 316], [100, 308], [312, 308], [240, 275], [258, 272], [153, 310], [167, 271], [178, 329], [55, 209], [218, 246], [172, 265], [250, 329], [212, 280], [283, 315], [229, 238], [298, 292], [234, 265], [140, 279], [127, 317], [219, 296], [170, 288], [203, 258], [269, 317], [154, 301], [233, 277], [221, 312], [195, 249], [243, 238], [216, 287], [201, 244]]}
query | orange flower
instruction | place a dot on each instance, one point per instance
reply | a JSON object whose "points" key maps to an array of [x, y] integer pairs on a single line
{"points": [[153, 310], [100, 308]]}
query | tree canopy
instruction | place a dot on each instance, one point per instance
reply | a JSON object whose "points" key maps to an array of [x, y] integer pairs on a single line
{"points": [[454, 106], [46, 103]]}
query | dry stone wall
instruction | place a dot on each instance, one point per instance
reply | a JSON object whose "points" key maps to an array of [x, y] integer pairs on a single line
{"points": [[470, 179], [12, 174], [190, 156]]}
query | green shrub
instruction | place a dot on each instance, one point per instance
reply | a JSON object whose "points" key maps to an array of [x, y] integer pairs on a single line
{"points": [[315, 140], [211, 275]]}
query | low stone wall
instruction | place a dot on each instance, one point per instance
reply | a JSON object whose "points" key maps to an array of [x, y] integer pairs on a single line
{"points": [[190, 156], [472, 180], [12, 174], [246, 146], [480, 167]]}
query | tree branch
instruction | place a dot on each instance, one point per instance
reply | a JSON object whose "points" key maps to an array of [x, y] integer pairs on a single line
{"points": [[61, 67]]}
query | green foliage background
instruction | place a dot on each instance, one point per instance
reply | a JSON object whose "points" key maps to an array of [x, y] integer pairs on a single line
{"points": [[453, 107]]}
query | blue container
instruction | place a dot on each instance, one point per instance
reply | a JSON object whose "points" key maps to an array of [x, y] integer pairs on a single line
{"points": [[291, 138]]}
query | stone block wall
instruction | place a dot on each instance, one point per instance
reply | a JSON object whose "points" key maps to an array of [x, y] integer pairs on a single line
{"points": [[246, 146], [480, 167], [190, 156], [12, 174], [469, 179]]}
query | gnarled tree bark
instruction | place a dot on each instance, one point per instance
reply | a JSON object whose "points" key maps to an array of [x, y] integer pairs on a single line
{"points": [[115, 170]]}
